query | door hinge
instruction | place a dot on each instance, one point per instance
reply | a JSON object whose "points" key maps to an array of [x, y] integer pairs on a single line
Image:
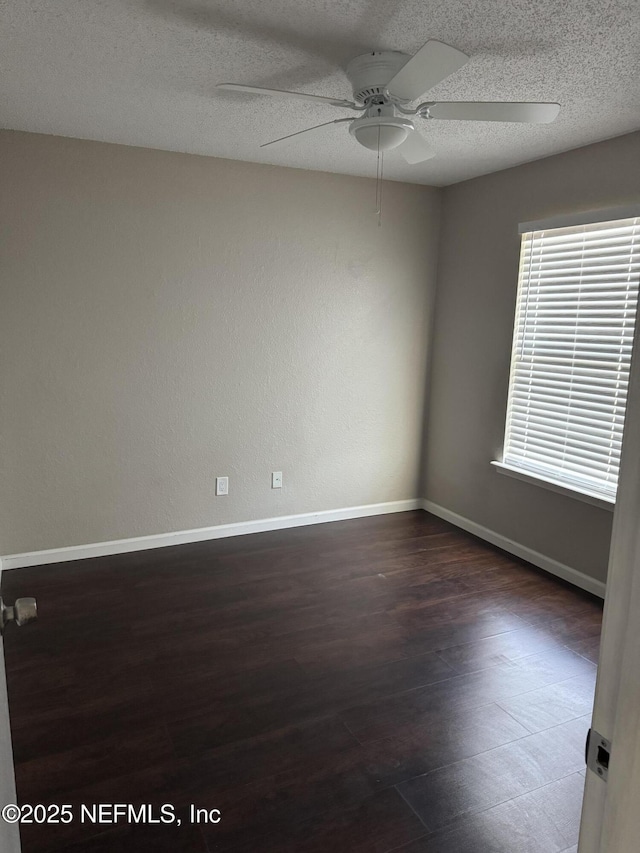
{"points": [[597, 754]]}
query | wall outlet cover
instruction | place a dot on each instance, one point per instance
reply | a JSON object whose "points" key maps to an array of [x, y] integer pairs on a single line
{"points": [[222, 485]]}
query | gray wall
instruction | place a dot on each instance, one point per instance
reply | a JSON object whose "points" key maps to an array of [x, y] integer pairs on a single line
{"points": [[477, 283], [167, 318]]}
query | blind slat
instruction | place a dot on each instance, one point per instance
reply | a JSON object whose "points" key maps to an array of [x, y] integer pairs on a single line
{"points": [[559, 425], [580, 424], [581, 413], [591, 408]]}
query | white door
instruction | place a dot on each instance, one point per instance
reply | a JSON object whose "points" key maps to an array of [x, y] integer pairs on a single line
{"points": [[611, 809], [9, 836]]}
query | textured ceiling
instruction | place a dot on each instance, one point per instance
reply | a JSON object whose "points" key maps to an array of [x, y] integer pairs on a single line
{"points": [[142, 72]]}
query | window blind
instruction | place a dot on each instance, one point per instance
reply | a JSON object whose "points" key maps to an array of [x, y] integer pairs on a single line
{"points": [[573, 335]]}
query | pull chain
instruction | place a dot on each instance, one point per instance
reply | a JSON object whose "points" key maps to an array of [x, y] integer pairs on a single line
{"points": [[379, 177]]}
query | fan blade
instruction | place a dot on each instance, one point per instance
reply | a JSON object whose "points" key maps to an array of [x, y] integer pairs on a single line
{"points": [[306, 130], [432, 63], [281, 93], [487, 111], [416, 149]]}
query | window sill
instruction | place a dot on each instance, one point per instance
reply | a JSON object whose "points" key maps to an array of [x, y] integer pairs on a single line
{"points": [[555, 486]]}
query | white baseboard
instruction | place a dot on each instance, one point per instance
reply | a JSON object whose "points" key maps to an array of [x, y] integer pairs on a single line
{"points": [[220, 531], [200, 534], [561, 570]]}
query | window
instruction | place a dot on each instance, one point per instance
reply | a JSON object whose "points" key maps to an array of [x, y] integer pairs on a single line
{"points": [[573, 335]]}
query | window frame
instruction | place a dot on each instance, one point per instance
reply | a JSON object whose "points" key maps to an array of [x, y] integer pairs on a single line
{"points": [[574, 490]]}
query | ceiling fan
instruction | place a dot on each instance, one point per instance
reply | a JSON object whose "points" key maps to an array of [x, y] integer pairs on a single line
{"points": [[384, 83]]}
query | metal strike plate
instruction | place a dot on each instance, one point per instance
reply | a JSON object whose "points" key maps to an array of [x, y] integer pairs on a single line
{"points": [[24, 610], [598, 754]]}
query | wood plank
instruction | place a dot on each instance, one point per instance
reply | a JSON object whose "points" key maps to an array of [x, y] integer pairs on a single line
{"points": [[479, 783], [558, 703], [538, 822], [378, 719], [490, 651], [376, 825]]}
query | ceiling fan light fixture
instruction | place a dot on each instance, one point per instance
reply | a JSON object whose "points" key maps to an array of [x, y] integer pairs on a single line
{"points": [[381, 134]]}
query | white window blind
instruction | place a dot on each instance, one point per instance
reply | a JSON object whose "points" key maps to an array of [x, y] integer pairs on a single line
{"points": [[575, 317]]}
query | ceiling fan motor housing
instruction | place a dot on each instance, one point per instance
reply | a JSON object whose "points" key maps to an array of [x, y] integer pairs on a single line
{"points": [[370, 73]]}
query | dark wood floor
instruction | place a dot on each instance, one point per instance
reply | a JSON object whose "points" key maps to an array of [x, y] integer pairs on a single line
{"points": [[382, 684]]}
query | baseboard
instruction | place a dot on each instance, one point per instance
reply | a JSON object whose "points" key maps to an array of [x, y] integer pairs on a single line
{"points": [[201, 534], [220, 531], [540, 560]]}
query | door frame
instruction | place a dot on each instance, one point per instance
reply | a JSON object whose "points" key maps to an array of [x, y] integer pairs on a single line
{"points": [[610, 813], [9, 833]]}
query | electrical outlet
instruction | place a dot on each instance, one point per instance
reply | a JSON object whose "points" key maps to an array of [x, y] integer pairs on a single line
{"points": [[222, 485], [276, 479]]}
